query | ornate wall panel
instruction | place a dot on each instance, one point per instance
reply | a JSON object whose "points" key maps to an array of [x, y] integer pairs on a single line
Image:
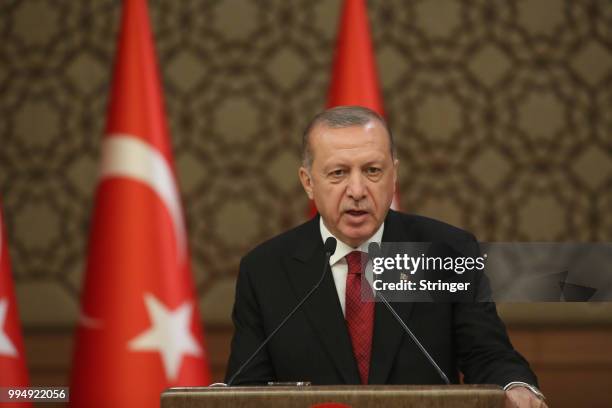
{"points": [[502, 112]]}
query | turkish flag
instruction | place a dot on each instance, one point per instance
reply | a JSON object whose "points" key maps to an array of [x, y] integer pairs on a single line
{"points": [[139, 330], [13, 370], [354, 79]]}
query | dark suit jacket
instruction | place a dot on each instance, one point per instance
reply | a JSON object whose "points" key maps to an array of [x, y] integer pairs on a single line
{"points": [[315, 346]]}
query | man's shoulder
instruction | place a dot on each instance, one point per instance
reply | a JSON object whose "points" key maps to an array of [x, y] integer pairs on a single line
{"points": [[426, 229], [285, 242]]}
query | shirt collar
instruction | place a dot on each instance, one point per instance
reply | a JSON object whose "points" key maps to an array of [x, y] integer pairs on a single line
{"points": [[343, 249]]}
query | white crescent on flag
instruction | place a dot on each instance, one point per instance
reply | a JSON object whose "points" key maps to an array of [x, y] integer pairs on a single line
{"points": [[127, 156], [7, 348]]}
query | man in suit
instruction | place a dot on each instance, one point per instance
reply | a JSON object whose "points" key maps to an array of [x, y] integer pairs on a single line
{"points": [[349, 169]]}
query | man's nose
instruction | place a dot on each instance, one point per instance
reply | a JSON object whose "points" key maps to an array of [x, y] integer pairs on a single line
{"points": [[356, 186]]}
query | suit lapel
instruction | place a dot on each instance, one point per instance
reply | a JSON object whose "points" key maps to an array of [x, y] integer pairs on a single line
{"points": [[388, 333], [304, 268]]}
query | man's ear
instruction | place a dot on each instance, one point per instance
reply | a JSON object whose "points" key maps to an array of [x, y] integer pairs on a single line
{"points": [[306, 180], [395, 173]]}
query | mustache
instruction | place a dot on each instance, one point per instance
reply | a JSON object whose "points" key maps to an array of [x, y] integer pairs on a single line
{"points": [[364, 208]]}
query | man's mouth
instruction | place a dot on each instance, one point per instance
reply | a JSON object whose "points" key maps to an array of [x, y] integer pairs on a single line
{"points": [[356, 213]]}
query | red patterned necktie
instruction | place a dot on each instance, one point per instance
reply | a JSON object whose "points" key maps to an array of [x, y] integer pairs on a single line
{"points": [[359, 313]]}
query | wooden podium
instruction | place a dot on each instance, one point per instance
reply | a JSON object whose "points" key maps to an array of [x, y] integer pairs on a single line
{"points": [[388, 396]]}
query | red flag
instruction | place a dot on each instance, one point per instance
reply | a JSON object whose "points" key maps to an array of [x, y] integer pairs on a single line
{"points": [[139, 331], [354, 78], [13, 370]]}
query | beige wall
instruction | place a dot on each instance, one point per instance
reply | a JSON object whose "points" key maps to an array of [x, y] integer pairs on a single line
{"points": [[502, 113]]}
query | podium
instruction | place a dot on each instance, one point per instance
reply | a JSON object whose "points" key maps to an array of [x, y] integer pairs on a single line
{"points": [[355, 396]]}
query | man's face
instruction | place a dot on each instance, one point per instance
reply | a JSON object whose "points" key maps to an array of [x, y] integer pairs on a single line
{"points": [[351, 180]]}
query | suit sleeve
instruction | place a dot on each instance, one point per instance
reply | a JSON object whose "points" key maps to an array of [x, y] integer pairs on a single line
{"points": [[248, 334], [485, 353]]}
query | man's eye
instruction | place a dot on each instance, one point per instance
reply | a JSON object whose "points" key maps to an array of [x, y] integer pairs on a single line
{"points": [[337, 173], [372, 171]]}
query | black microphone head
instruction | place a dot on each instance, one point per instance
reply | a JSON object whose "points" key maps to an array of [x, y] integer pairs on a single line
{"points": [[330, 245], [374, 250]]}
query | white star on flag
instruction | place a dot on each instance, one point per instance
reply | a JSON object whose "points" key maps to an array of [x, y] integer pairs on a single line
{"points": [[170, 334], [7, 348]]}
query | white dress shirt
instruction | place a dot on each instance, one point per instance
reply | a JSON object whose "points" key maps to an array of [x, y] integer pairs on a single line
{"points": [[337, 262]]}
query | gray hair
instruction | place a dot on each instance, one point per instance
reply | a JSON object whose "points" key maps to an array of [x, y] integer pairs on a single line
{"points": [[341, 117]]}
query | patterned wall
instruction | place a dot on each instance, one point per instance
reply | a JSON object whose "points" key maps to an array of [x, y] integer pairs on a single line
{"points": [[502, 112]]}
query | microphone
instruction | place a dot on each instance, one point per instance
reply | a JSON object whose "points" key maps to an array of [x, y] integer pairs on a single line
{"points": [[374, 251], [330, 248]]}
